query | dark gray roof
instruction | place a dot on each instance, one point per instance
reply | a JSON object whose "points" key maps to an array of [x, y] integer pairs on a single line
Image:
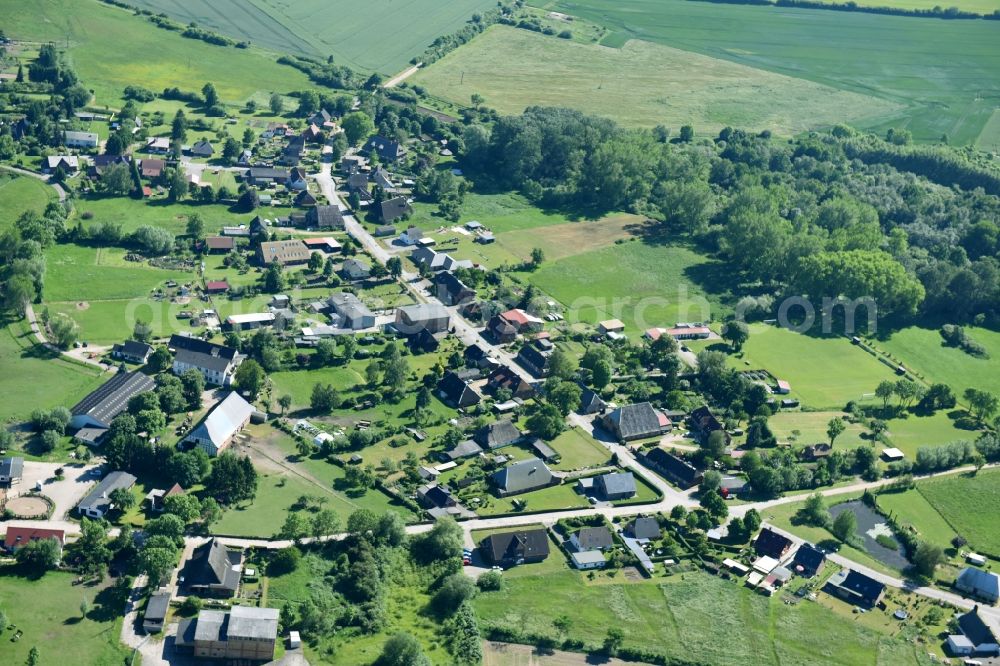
{"points": [[395, 208], [544, 451], [99, 498], [867, 588], [590, 402], [267, 173], [12, 467], [526, 544], [645, 527], [594, 538], [497, 435], [457, 390], [617, 483], [211, 566], [523, 476], [326, 217], [156, 608], [202, 354], [387, 149], [200, 360], [977, 581], [250, 622], [771, 543], [134, 348], [671, 465], [356, 268], [635, 421], [808, 559], [464, 450], [357, 181], [208, 626], [111, 398], [975, 629]]}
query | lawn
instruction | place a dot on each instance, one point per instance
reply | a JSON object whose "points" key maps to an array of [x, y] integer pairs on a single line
{"points": [[825, 373], [950, 89], [77, 274], [377, 35], [143, 54], [912, 508], [33, 378], [912, 432], [921, 349], [804, 428], [642, 284], [726, 622], [553, 498], [299, 383], [19, 194], [577, 450], [47, 611], [971, 506], [642, 84], [108, 322], [134, 213]]}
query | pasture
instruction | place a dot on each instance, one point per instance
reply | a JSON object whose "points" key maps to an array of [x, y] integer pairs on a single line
{"points": [[642, 84], [729, 624], [77, 273], [912, 508], [949, 88], [970, 505], [805, 428], [53, 381], [923, 351], [825, 373], [143, 54], [132, 214], [46, 609], [377, 35], [19, 194], [642, 284]]}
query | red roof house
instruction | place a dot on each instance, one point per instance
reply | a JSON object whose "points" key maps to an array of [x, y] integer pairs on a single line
{"points": [[18, 536], [216, 287]]}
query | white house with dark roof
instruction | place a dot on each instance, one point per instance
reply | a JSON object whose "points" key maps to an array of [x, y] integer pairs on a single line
{"points": [[99, 409], [216, 363], [11, 470], [223, 423], [98, 501], [80, 139]]}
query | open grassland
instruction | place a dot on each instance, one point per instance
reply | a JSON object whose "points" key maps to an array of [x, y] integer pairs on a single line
{"points": [[111, 48], [912, 508], [642, 284], [577, 449], [824, 373], [911, 431], [805, 428], [727, 623], [947, 72], [31, 377], [76, 273], [46, 609], [923, 351], [19, 194], [641, 84], [971, 505], [132, 214], [376, 35], [989, 138]]}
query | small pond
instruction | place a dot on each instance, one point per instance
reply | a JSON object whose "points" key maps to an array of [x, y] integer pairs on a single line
{"points": [[870, 526]]}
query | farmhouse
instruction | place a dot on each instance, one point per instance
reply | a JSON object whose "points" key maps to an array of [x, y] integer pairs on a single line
{"points": [[394, 209], [21, 535], [457, 392], [285, 252], [220, 244], [151, 168], [225, 420], [69, 163], [497, 435], [451, 290], [325, 217], [503, 377], [704, 423], [212, 571], [109, 400], [80, 139], [434, 496], [508, 549], [98, 500], [411, 319], [671, 467], [352, 313], [132, 351], [388, 151], [243, 634], [629, 422], [980, 635], [156, 612], [855, 588], [522, 477], [11, 470], [980, 584], [772, 544], [215, 362]]}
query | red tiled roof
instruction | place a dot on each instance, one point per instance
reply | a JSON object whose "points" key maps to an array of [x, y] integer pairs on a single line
{"points": [[517, 317], [18, 536], [216, 285]]}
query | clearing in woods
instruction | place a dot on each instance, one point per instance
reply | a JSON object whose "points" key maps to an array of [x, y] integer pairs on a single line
{"points": [[641, 84], [375, 35]]}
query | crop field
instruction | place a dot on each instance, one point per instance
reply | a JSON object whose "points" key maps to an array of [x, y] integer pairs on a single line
{"points": [[989, 138], [912, 507], [970, 505], [921, 349], [977, 6], [946, 72], [53, 381], [19, 194], [642, 284], [727, 623], [111, 48], [376, 35], [641, 84]]}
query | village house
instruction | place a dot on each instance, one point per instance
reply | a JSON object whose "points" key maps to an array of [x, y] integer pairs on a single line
{"points": [[980, 635], [151, 168], [679, 332], [212, 571], [202, 149], [216, 286], [216, 363], [411, 319], [615, 486], [644, 529], [325, 217], [285, 252], [69, 163], [11, 470], [534, 357], [590, 401], [258, 176], [157, 496], [808, 561], [98, 502], [507, 549], [73, 139], [855, 588], [457, 392], [522, 477], [772, 544], [100, 407], [452, 291], [355, 269], [393, 209], [223, 423], [503, 377], [101, 163], [411, 236], [351, 312], [22, 535], [388, 151], [325, 244], [465, 449], [592, 538], [630, 422], [498, 435], [158, 144], [979, 584], [704, 423]]}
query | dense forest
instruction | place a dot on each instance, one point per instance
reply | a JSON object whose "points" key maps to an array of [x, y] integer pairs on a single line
{"points": [[825, 215]]}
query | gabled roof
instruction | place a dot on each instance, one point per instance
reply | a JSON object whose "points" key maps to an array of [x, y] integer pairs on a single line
{"points": [[808, 559], [326, 217], [224, 421], [267, 173], [976, 629], [544, 451], [865, 587], [527, 544], [590, 402], [12, 467], [99, 498], [202, 148], [457, 390], [387, 149], [211, 566], [111, 398], [594, 538], [135, 348], [523, 476], [617, 483], [704, 420], [201, 354], [635, 421], [464, 450], [220, 242], [979, 582], [393, 209], [19, 535], [356, 268], [672, 465], [771, 543], [645, 527], [497, 435]]}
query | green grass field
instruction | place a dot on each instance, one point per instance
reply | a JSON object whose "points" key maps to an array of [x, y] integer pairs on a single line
{"points": [[642, 84], [824, 372], [950, 87], [978, 6], [31, 378], [804, 428], [644, 285], [719, 621], [378, 35], [77, 273], [143, 54], [132, 214], [911, 507], [989, 138], [971, 506], [47, 610], [921, 349], [577, 450], [19, 194]]}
